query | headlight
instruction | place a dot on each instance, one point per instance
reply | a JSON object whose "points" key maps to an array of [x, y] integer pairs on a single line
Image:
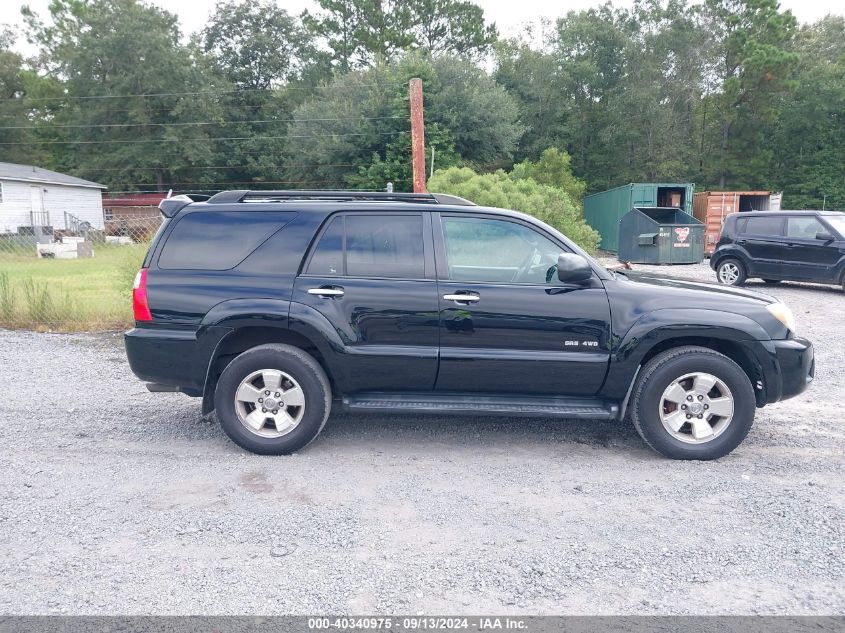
{"points": [[783, 314]]}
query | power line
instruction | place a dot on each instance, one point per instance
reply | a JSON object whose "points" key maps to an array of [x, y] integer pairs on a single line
{"points": [[252, 166], [187, 94], [219, 138], [126, 125]]}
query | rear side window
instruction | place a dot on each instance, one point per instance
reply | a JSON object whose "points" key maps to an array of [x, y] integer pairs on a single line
{"points": [[218, 240], [764, 225], [360, 245]]}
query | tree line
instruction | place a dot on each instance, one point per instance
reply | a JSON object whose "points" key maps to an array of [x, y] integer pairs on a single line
{"points": [[729, 94]]}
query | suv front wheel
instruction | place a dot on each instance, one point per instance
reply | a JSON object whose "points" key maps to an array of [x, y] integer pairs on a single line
{"points": [[273, 399], [692, 403], [731, 272]]}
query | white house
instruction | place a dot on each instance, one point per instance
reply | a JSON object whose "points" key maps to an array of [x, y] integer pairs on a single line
{"points": [[32, 196]]}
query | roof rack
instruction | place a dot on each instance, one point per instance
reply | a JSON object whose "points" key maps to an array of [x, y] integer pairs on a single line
{"points": [[242, 195]]}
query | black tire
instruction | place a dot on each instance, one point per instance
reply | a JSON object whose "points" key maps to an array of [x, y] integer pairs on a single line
{"points": [[772, 281], [297, 364], [742, 275], [667, 367]]}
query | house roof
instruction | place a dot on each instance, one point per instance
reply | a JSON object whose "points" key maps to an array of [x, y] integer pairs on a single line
{"points": [[30, 173]]}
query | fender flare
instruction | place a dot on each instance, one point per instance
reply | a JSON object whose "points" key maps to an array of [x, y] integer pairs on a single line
{"points": [[230, 316], [659, 326]]}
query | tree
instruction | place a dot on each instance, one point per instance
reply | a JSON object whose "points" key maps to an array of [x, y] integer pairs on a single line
{"points": [[753, 68], [14, 123], [256, 44], [354, 120], [549, 204], [808, 140], [450, 27], [363, 32], [554, 168], [135, 102], [360, 32]]}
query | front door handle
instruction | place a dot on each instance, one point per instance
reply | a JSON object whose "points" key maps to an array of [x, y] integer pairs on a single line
{"points": [[462, 298], [326, 291]]}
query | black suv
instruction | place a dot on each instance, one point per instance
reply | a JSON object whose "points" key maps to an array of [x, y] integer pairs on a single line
{"points": [[781, 246], [274, 307]]}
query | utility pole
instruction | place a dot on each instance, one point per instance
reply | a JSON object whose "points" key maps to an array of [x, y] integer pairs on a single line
{"points": [[417, 135]]}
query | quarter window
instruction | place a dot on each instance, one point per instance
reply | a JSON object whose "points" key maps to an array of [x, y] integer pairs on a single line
{"points": [[377, 245], [804, 227], [482, 249], [218, 240], [765, 225]]}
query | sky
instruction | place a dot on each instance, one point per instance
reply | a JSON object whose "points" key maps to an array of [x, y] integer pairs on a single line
{"points": [[509, 15]]}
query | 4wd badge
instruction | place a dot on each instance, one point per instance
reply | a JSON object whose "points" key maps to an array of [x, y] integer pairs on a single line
{"points": [[681, 233]]}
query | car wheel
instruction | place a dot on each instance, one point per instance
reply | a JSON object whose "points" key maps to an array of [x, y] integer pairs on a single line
{"points": [[731, 272], [772, 281], [693, 403], [273, 399]]}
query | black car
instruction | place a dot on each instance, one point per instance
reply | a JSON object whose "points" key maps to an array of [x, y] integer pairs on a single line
{"points": [[781, 246], [275, 307]]}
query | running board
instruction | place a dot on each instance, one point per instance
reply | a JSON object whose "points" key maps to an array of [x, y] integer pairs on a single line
{"points": [[464, 404]]}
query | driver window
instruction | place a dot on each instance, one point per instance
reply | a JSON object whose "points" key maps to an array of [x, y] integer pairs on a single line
{"points": [[482, 249]]}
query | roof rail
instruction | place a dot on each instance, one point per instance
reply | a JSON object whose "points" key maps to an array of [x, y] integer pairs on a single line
{"points": [[242, 195]]}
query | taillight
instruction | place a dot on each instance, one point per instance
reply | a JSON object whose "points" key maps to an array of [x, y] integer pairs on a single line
{"points": [[140, 305]]}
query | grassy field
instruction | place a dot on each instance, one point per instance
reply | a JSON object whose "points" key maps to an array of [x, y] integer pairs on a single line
{"points": [[69, 295]]}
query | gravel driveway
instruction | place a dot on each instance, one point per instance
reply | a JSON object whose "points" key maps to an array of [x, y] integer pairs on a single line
{"points": [[118, 501]]}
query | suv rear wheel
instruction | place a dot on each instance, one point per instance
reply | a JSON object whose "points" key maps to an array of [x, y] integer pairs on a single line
{"points": [[273, 399], [693, 403], [731, 272]]}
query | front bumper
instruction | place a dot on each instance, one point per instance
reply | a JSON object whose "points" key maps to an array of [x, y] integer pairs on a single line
{"points": [[797, 364]]}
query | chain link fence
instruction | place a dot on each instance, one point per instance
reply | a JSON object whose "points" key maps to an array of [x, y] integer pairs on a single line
{"points": [[64, 273]]}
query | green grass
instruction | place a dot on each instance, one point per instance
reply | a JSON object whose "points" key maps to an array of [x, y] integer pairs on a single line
{"points": [[69, 295]]}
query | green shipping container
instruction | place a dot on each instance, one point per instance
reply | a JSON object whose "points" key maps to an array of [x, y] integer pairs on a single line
{"points": [[604, 210]]}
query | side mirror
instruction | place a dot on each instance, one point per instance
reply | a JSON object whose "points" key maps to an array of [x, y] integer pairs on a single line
{"points": [[573, 269], [825, 236]]}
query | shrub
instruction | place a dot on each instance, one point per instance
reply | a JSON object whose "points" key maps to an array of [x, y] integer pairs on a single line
{"points": [[549, 204]]}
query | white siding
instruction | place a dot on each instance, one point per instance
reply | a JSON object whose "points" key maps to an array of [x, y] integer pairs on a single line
{"points": [[86, 203]]}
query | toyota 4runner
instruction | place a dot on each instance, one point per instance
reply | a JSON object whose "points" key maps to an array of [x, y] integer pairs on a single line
{"points": [[276, 306]]}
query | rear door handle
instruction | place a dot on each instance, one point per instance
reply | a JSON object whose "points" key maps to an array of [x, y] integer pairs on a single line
{"points": [[326, 291], [462, 297], [740, 242]]}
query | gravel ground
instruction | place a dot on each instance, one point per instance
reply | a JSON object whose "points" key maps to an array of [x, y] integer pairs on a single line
{"points": [[118, 501]]}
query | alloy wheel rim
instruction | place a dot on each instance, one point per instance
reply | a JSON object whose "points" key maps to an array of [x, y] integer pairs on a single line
{"points": [[696, 408], [728, 273], [269, 403]]}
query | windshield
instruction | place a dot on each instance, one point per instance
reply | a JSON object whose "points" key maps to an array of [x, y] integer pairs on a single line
{"points": [[837, 222]]}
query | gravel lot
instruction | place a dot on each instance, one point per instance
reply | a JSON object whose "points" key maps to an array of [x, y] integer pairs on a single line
{"points": [[118, 501]]}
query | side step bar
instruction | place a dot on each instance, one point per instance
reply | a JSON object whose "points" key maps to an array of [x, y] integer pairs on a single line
{"points": [[547, 407]]}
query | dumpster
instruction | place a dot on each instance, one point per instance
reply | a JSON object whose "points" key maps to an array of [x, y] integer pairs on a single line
{"points": [[603, 210], [660, 235], [712, 207]]}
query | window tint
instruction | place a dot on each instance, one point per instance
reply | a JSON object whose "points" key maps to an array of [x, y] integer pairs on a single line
{"points": [[376, 246], [765, 225], [804, 227], [481, 249], [328, 256], [218, 240], [384, 246]]}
